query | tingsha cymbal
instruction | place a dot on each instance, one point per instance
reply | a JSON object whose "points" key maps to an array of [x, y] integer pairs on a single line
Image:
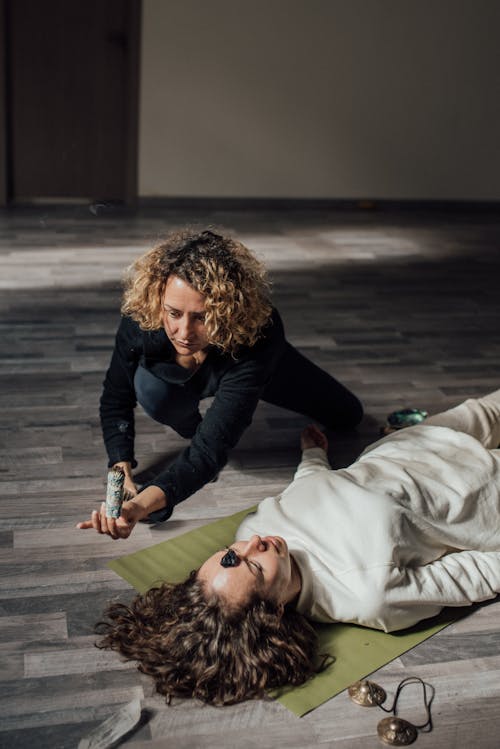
{"points": [[396, 731], [366, 693]]}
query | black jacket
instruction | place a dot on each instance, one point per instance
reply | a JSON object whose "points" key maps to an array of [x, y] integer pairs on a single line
{"points": [[236, 383]]}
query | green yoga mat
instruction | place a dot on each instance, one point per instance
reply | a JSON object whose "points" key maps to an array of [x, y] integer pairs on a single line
{"points": [[357, 650]]}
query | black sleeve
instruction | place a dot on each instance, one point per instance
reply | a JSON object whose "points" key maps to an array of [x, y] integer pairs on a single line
{"points": [[224, 422], [118, 396]]}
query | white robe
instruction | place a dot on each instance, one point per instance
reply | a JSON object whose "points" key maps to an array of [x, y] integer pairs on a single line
{"points": [[413, 525]]}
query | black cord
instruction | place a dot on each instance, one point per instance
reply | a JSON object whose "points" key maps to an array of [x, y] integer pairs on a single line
{"points": [[427, 726]]}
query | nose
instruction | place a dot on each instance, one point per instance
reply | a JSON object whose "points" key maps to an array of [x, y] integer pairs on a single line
{"points": [[255, 543], [185, 328]]}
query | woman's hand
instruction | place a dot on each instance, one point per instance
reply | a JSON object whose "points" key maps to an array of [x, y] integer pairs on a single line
{"points": [[313, 437], [121, 527], [150, 499], [129, 487]]}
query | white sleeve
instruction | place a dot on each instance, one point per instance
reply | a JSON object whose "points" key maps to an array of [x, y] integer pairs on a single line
{"points": [[457, 579], [313, 459]]}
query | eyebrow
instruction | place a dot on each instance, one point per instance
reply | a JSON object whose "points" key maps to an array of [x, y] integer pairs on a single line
{"points": [[174, 309]]}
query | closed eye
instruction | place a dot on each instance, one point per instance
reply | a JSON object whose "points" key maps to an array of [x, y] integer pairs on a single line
{"points": [[256, 566]]}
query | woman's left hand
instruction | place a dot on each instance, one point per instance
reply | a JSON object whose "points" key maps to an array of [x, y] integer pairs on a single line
{"points": [[120, 527], [148, 500]]}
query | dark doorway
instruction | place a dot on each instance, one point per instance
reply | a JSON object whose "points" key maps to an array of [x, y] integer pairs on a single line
{"points": [[71, 100]]}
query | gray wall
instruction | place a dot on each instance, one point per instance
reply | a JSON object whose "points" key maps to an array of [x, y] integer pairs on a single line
{"points": [[389, 99]]}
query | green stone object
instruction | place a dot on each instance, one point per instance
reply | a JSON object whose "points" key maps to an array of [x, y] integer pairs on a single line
{"points": [[406, 417]]}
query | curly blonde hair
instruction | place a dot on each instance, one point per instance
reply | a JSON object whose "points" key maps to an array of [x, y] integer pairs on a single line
{"points": [[192, 645], [231, 279]]}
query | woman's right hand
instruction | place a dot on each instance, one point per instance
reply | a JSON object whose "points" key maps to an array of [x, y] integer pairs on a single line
{"points": [[129, 488]]}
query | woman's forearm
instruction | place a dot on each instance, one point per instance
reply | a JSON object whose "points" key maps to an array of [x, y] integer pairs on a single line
{"points": [[150, 499]]}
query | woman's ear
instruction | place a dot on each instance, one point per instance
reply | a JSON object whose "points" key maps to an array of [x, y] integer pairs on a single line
{"points": [[281, 609]]}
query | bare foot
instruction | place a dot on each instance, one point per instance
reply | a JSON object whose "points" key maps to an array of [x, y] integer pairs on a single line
{"points": [[313, 437]]}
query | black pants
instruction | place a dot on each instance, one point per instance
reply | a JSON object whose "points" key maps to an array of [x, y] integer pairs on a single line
{"points": [[297, 384], [301, 386]]}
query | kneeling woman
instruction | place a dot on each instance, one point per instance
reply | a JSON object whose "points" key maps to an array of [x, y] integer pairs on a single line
{"points": [[198, 322], [412, 526]]}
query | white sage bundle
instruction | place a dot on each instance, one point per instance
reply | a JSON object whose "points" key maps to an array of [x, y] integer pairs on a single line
{"points": [[115, 492]]}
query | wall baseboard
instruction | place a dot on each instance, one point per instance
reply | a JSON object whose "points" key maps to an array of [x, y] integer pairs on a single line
{"points": [[314, 204]]}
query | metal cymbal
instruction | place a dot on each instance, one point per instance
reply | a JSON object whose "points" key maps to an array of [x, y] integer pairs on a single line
{"points": [[366, 693], [396, 731]]}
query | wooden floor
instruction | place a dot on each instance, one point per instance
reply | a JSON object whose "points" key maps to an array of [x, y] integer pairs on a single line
{"points": [[403, 307]]}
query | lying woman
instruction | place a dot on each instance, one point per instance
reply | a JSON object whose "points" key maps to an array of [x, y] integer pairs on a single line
{"points": [[410, 527]]}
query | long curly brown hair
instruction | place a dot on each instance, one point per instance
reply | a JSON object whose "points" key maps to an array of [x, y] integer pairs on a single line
{"points": [[228, 275], [193, 646]]}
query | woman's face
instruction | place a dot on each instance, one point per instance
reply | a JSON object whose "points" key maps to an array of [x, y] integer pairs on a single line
{"points": [[264, 566], [184, 316]]}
